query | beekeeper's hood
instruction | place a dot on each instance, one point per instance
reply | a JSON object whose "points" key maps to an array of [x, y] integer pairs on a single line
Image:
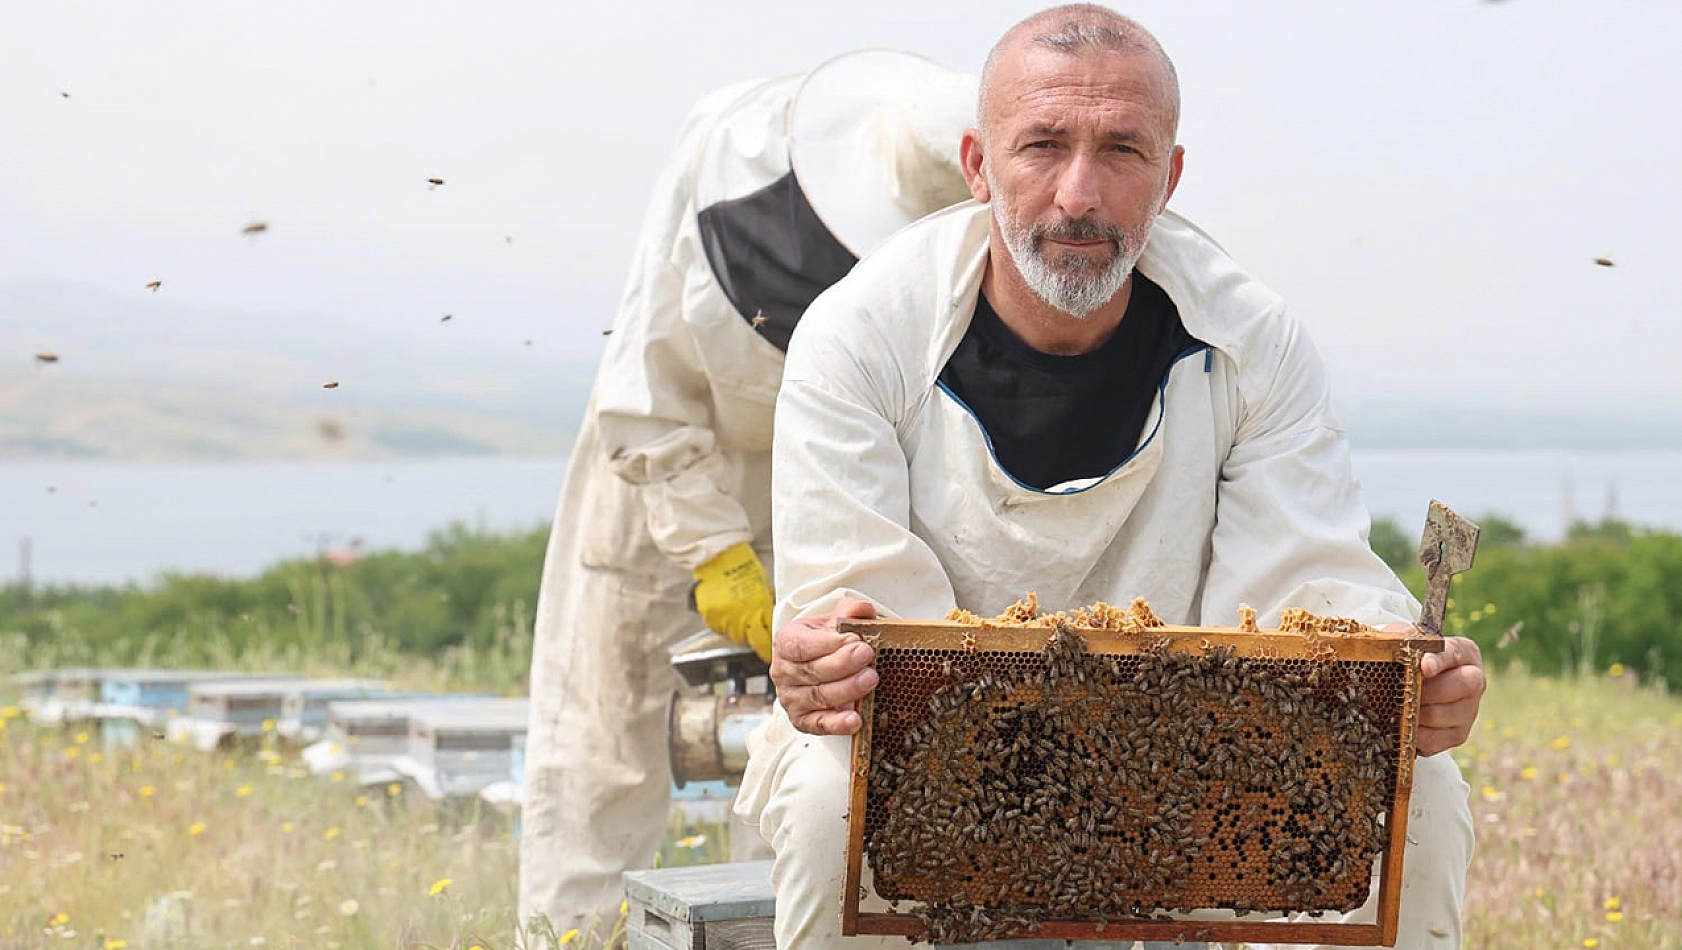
{"points": [[873, 142]]}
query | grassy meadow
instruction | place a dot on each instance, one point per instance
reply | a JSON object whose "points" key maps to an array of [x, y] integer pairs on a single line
{"points": [[1576, 789]]}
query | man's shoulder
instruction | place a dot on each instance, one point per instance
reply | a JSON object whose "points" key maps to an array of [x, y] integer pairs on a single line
{"points": [[1220, 302], [912, 284]]}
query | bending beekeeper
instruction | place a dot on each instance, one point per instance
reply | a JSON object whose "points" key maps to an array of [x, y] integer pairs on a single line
{"points": [[775, 190], [1062, 388]]}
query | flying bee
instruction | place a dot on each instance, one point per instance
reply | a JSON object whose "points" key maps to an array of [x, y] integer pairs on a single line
{"points": [[1603, 261], [154, 285], [432, 183], [255, 228], [45, 357], [446, 319], [758, 320], [330, 384]]}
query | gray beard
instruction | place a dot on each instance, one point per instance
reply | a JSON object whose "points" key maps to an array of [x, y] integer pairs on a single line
{"points": [[1077, 286]]}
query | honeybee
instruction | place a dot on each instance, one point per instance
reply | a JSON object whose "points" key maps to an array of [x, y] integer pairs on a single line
{"points": [[154, 285], [330, 384], [445, 318], [1603, 261], [45, 357], [434, 183], [255, 227]]}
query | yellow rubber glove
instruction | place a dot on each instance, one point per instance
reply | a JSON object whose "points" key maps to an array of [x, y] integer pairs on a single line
{"points": [[733, 596]]}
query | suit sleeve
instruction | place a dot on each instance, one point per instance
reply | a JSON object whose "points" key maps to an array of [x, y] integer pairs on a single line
{"points": [[652, 399], [841, 497], [1290, 526]]}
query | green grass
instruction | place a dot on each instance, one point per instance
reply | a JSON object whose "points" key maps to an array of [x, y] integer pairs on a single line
{"points": [[1577, 789]]}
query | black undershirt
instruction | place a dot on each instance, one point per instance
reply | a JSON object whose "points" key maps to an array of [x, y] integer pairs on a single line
{"points": [[1053, 419]]}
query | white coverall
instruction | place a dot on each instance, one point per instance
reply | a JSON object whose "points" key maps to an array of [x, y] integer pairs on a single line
{"points": [[671, 467], [1240, 492]]}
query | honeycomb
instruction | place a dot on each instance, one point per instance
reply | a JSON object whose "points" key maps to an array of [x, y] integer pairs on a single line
{"points": [[1009, 788]]}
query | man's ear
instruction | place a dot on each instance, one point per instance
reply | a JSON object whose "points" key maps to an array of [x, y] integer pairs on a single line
{"points": [[969, 155], [1176, 165]]}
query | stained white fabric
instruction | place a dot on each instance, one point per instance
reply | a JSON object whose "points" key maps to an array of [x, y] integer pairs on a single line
{"points": [[1241, 492], [671, 466]]}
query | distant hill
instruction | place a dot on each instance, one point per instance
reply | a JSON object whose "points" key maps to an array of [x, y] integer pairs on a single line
{"points": [[145, 379]]}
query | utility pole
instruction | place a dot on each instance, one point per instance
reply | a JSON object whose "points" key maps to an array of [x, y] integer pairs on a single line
{"points": [[25, 581]]}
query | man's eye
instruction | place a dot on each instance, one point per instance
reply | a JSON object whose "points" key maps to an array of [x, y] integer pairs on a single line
{"points": [[1042, 144]]}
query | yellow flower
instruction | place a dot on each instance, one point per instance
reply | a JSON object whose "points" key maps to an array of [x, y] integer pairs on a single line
{"points": [[1615, 670], [624, 907], [394, 789], [1612, 903], [10, 712], [1489, 795], [331, 834], [72, 752], [569, 936], [2, 788], [1540, 893], [1529, 772], [244, 791], [1614, 915], [1562, 743], [1591, 942], [439, 886], [268, 725], [96, 758], [112, 943], [147, 791], [361, 800], [81, 738], [195, 829], [338, 776], [59, 919]]}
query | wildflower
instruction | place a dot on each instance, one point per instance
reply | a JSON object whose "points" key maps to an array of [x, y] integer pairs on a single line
{"points": [[1615, 670], [1614, 916], [1591, 942], [439, 886], [147, 791], [72, 752], [244, 791], [349, 907], [195, 829], [286, 827], [1540, 893], [624, 907], [394, 789], [112, 943], [338, 776], [59, 919], [569, 936], [268, 725], [96, 758], [1612, 903], [10, 712], [695, 841], [1489, 795], [331, 833], [81, 738], [361, 800], [1562, 743], [1529, 772], [258, 941]]}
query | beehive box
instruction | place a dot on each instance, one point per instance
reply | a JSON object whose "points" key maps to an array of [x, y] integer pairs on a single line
{"points": [[1106, 777]]}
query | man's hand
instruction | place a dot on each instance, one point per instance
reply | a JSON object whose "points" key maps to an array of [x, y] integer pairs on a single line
{"points": [[821, 674], [1448, 702]]}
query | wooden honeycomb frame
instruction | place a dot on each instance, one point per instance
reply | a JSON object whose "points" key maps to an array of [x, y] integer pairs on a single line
{"points": [[1356, 654]]}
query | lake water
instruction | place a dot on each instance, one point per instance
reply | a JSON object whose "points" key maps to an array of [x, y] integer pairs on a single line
{"points": [[107, 522]]}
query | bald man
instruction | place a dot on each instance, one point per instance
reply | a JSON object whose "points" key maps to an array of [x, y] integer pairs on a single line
{"points": [[1064, 388]]}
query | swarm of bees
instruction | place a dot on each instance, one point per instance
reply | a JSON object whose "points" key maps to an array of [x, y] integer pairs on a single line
{"points": [[1008, 789]]}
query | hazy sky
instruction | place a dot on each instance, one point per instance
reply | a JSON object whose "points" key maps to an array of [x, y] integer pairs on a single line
{"points": [[1427, 181]]}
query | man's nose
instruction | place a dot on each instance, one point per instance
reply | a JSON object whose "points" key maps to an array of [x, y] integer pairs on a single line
{"points": [[1077, 186]]}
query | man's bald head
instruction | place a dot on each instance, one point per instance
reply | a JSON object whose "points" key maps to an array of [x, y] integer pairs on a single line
{"points": [[1076, 29]]}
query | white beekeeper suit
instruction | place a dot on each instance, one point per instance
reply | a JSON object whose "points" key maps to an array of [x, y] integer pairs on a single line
{"points": [[774, 190], [1240, 492]]}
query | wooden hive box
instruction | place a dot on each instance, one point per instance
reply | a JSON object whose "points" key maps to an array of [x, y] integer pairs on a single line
{"points": [[1084, 783]]}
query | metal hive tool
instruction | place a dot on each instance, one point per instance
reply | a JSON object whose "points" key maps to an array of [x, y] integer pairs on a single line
{"points": [[1084, 783]]}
